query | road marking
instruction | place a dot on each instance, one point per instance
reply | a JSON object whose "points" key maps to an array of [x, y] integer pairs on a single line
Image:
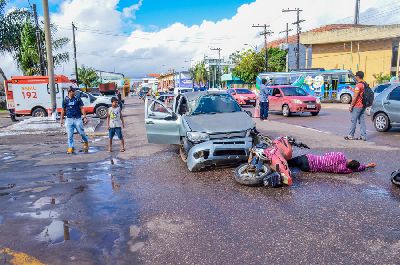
{"points": [[312, 129], [19, 258]]}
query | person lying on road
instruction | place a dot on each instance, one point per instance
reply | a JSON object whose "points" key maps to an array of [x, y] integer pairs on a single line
{"points": [[333, 162]]}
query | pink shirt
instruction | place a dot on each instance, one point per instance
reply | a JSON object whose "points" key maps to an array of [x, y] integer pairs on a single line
{"points": [[334, 162]]}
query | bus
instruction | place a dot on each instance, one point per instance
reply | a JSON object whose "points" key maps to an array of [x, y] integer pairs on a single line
{"points": [[327, 85]]}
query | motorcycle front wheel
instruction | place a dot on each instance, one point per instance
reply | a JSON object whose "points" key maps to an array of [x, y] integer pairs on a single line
{"points": [[246, 176]]}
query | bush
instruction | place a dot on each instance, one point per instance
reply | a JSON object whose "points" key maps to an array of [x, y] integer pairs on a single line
{"points": [[381, 78]]}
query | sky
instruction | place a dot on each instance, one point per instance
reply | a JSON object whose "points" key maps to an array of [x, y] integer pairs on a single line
{"points": [[138, 37]]}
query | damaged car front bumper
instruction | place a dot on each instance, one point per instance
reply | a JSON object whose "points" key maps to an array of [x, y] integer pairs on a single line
{"points": [[218, 153]]}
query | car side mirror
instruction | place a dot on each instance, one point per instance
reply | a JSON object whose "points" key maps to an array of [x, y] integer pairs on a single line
{"points": [[249, 113]]}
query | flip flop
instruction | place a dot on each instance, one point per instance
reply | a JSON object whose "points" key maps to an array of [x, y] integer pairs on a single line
{"points": [[122, 150], [350, 138]]}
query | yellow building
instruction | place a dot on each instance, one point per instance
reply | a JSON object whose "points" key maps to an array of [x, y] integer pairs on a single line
{"points": [[372, 49]]}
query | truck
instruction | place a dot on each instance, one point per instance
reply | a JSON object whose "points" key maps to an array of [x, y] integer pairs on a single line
{"points": [[30, 96]]}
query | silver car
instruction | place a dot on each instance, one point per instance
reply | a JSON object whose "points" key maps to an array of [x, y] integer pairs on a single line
{"points": [[210, 127], [385, 111]]}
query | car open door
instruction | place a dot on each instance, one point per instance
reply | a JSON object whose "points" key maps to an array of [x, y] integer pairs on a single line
{"points": [[162, 124]]}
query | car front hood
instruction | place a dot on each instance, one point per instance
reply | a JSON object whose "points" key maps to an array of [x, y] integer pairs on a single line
{"points": [[220, 122]]}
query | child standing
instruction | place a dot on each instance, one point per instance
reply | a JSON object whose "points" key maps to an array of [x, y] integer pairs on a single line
{"points": [[114, 123]]}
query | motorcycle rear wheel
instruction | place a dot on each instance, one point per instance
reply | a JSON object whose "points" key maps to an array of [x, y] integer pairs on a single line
{"points": [[249, 178]]}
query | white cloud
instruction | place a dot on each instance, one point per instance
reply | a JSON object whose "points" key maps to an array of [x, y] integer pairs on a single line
{"points": [[141, 52], [130, 12]]}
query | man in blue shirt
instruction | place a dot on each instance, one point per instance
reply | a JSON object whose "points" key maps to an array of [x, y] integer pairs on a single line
{"points": [[264, 102], [73, 108]]}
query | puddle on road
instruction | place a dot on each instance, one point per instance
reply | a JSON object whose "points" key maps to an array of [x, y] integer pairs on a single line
{"points": [[4, 194], [36, 190], [8, 186], [8, 156], [43, 202], [58, 232], [92, 150], [39, 214], [1, 219]]}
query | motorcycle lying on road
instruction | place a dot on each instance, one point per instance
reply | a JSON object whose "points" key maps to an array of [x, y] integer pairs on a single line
{"points": [[268, 162]]}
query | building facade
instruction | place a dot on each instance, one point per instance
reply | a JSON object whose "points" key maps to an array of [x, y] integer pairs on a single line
{"points": [[371, 49]]}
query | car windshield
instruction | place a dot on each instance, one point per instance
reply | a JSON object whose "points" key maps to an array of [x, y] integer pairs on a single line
{"points": [[211, 104], [294, 91], [243, 91]]}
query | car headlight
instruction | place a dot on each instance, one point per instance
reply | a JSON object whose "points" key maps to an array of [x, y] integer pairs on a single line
{"points": [[318, 100], [297, 101], [197, 137]]}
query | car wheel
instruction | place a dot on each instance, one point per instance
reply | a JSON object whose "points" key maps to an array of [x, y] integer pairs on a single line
{"points": [[314, 113], [382, 122], [286, 111], [345, 98], [39, 112], [101, 112], [251, 178], [183, 150]]}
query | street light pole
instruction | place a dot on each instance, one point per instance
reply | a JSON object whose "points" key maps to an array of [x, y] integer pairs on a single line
{"points": [[50, 64]]}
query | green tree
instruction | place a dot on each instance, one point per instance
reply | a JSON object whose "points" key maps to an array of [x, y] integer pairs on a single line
{"points": [[18, 38], [249, 63], [200, 74], [381, 78], [28, 58], [88, 77]]}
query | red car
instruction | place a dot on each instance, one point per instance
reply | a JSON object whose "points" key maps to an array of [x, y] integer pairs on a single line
{"points": [[291, 99], [243, 96]]}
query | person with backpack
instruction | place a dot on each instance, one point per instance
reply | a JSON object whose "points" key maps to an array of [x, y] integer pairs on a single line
{"points": [[363, 98]]}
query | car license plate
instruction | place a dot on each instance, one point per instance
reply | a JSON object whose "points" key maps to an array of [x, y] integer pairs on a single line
{"points": [[310, 106], [252, 100]]}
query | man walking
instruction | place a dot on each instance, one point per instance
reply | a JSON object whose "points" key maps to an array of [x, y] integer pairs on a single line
{"points": [[357, 109], [264, 101], [73, 108]]}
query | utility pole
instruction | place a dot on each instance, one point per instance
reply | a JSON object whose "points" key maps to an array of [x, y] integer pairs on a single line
{"points": [[287, 32], [287, 44], [265, 33], [298, 22], [76, 62], [39, 42], [218, 72], [357, 13], [49, 52]]}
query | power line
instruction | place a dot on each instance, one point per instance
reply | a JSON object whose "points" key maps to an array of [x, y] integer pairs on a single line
{"points": [[298, 22], [265, 33]]}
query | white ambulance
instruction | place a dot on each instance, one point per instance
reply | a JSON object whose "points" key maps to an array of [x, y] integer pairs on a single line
{"points": [[30, 95]]}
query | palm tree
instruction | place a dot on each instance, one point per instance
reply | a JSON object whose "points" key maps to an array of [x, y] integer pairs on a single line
{"points": [[88, 76], [200, 74], [18, 38]]}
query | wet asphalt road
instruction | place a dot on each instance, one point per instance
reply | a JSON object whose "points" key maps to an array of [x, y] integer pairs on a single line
{"points": [[144, 207]]}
